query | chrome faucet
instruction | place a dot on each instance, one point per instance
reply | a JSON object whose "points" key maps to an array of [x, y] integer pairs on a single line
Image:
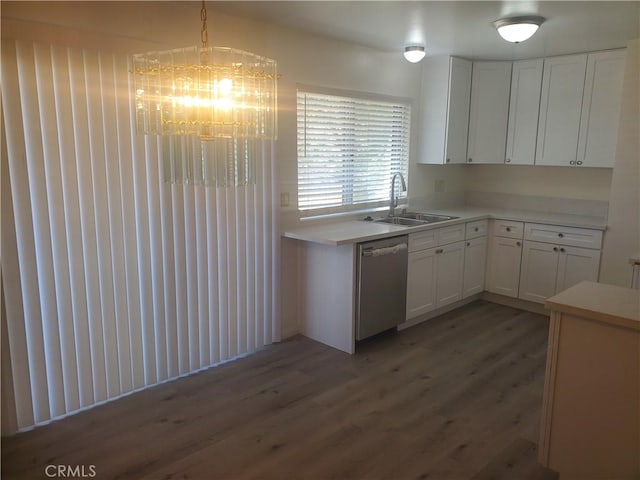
{"points": [[393, 201]]}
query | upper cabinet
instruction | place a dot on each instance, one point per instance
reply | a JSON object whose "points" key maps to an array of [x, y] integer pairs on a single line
{"points": [[446, 88], [560, 106], [489, 112], [601, 109], [524, 105]]}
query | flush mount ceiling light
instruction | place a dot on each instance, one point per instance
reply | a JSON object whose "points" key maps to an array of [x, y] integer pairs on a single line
{"points": [[414, 53], [212, 107], [518, 29]]}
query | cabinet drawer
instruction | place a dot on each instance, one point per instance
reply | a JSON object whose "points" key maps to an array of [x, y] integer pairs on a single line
{"points": [[422, 240], [476, 229], [575, 237], [454, 233], [507, 228]]}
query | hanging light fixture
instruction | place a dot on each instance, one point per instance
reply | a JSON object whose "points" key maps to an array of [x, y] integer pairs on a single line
{"points": [[212, 107], [414, 53], [518, 29]]}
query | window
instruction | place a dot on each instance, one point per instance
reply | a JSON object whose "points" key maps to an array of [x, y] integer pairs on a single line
{"points": [[348, 150]]}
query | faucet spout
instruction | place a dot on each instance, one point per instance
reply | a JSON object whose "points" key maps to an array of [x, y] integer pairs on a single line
{"points": [[393, 201]]}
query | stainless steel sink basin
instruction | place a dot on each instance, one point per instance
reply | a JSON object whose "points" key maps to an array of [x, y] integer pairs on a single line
{"points": [[412, 219], [411, 222], [426, 217]]}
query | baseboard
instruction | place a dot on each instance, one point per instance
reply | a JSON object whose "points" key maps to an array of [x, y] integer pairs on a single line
{"points": [[515, 303], [434, 313]]}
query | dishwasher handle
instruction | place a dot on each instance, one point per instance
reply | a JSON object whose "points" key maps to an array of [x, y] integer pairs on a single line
{"points": [[379, 252]]}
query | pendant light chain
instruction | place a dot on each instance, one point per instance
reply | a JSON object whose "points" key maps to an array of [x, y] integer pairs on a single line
{"points": [[204, 34]]}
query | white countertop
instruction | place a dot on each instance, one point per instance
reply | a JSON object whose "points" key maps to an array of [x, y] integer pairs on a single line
{"points": [[600, 302], [355, 231]]}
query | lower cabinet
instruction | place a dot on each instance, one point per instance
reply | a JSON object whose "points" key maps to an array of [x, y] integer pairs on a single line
{"points": [[434, 278], [475, 259], [503, 271], [548, 269]]}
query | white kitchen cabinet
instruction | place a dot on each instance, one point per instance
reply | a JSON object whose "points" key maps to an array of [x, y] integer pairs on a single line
{"points": [[601, 109], [539, 271], [556, 257], [560, 107], [524, 106], [444, 112], [421, 282], [576, 265], [449, 271], [503, 264], [488, 112], [475, 259]]}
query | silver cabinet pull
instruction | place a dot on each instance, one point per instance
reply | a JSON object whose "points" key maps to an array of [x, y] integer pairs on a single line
{"points": [[579, 162], [508, 160], [470, 160], [572, 162]]}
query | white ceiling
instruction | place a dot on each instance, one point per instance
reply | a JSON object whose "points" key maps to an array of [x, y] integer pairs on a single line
{"points": [[454, 27]]}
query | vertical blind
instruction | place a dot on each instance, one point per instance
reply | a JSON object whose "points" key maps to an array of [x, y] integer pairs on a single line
{"points": [[124, 281], [348, 149]]}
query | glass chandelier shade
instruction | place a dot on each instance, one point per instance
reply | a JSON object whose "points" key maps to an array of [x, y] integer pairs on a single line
{"points": [[213, 108]]}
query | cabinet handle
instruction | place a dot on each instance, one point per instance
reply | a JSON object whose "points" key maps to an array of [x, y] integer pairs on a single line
{"points": [[555, 249], [439, 250], [508, 229], [475, 229], [561, 235], [470, 160], [468, 244], [579, 162], [572, 162], [518, 244], [508, 160], [448, 160], [562, 249]]}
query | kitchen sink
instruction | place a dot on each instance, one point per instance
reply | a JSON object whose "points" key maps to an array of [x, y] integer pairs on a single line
{"points": [[412, 219]]}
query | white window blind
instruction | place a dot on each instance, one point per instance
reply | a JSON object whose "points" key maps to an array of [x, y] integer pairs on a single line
{"points": [[113, 280], [348, 150]]}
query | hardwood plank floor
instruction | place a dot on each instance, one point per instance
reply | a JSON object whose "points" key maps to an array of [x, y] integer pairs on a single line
{"points": [[457, 397]]}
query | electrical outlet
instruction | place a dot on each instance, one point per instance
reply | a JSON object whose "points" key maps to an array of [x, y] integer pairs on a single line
{"points": [[439, 186], [284, 199]]}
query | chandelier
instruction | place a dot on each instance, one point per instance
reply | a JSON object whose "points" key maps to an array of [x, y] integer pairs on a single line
{"points": [[212, 107]]}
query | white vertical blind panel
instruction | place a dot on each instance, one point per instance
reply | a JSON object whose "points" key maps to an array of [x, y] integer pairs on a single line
{"points": [[202, 278], [17, 308], [213, 271], [91, 365], [63, 342], [77, 387], [124, 281], [44, 330], [121, 221]]}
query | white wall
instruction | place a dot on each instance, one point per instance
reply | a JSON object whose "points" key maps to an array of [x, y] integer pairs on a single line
{"points": [[622, 239]]}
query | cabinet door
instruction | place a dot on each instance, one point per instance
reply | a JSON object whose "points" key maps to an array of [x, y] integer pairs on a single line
{"points": [[421, 282], [575, 265], [475, 259], [601, 109], [503, 266], [539, 271], [526, 82], [560, 106], [458, 110], [450, 266], [488, 112]]}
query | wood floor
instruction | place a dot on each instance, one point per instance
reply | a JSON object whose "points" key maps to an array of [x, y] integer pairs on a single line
{"points": [[457, 397]]}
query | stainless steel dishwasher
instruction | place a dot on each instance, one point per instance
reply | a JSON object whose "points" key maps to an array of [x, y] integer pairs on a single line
{"points": [[382, 285]]}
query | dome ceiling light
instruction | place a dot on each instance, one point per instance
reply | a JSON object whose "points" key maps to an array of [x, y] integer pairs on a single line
{"points": [[414, 53], [518, 29]]}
